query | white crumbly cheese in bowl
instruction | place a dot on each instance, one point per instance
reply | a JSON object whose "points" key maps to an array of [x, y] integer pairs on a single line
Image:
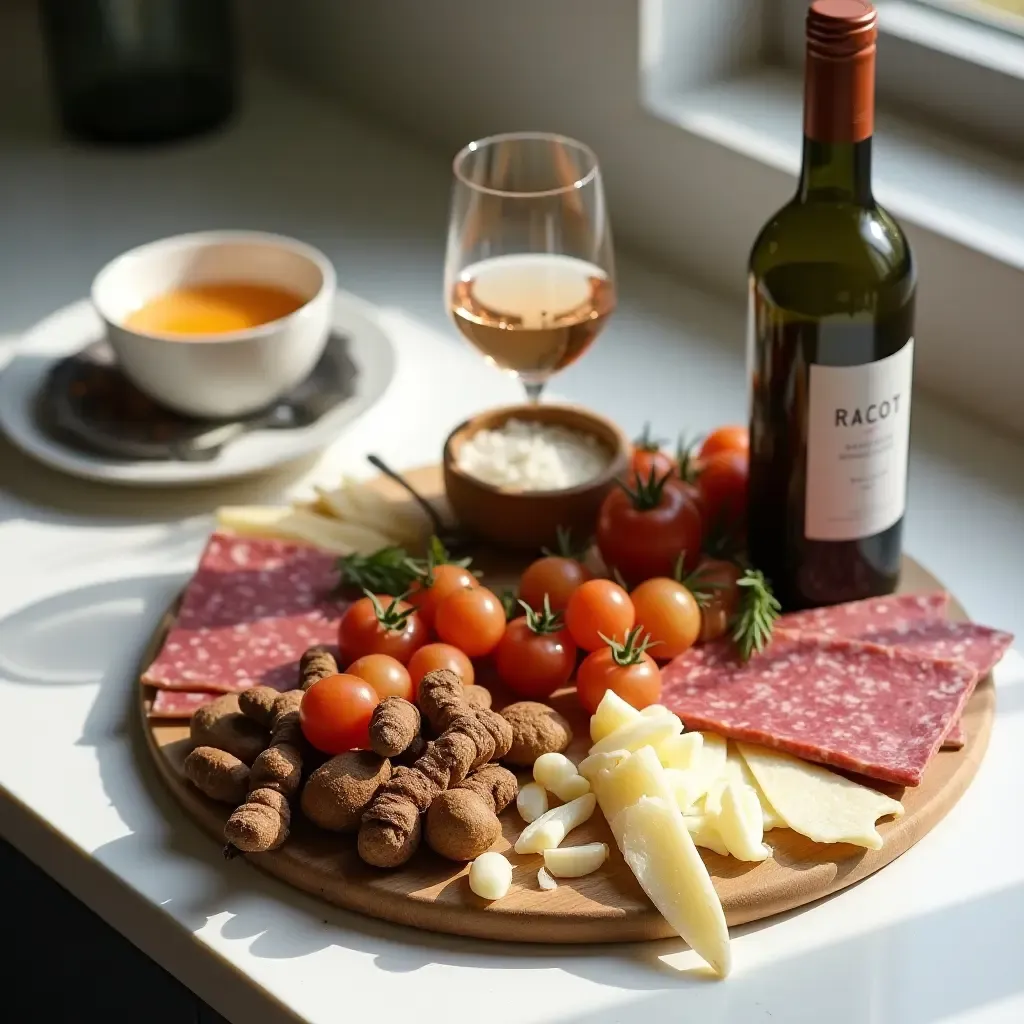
{"points": [[526, 455]]}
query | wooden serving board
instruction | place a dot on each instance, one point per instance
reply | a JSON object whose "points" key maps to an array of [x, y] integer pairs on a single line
{"points": [[608, 905]]}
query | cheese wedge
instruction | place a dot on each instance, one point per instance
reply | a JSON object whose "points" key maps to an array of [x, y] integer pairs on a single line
{"points": [[611, 714], [695, 781], [360, 504], [302, 525], [817, 803], [644, 731], [649, 830], [740, 824], [659, 851], [681, 751], [704, 834], [736, 770]]}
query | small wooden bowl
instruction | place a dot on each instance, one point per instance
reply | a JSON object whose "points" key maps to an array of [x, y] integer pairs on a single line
{"points": [[530, 519]]}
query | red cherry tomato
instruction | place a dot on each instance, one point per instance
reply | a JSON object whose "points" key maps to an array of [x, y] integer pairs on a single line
{"points": [[669, 613], [641, 539], [472, 620], [722, 482], [335, 713], [599, 607], [722, 596], [554, 576], [645, 461], [724, 439], [443, 580], [637, 683], [435, 656], [534, 664], [388, 677], [381, 625]]}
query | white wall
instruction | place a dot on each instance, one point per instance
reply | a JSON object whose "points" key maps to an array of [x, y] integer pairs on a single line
{"points": [[448, 71]]}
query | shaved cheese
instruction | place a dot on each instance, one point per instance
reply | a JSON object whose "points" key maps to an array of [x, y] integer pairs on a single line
{"points": [[817, 803], [302, 525]]}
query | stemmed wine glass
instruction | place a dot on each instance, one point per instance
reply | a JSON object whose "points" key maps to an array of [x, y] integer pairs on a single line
{"points": [[529, 272]]}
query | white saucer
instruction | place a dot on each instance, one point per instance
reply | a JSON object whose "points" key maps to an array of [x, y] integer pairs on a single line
{"points": [[77, 325]]}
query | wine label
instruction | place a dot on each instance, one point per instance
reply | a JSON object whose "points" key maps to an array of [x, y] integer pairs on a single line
{"points": [[857, 446]]}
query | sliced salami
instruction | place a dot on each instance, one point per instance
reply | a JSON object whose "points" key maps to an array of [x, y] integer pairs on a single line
{"points": [[912, 622], [251, 609], [859, 620], [178, 703], [878, 711]]}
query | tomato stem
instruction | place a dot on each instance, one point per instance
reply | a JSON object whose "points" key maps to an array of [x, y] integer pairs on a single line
{"points": [[564, 546], [437, 554], [646, 495], [543, 621], [686, 464], [392, 618], [646, 442], [631, 650]]}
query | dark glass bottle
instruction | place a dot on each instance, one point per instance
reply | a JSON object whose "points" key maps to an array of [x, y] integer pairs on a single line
{"points": [[832, 285], [139, 71]]}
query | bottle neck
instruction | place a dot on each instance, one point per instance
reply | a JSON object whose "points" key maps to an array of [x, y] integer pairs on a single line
{"points": [[836, 172]]}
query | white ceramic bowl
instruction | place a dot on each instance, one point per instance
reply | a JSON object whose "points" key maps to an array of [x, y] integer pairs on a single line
{"points": [[227, 374]]}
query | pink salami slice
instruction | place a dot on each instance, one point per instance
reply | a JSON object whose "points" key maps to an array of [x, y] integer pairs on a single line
{"points": [[912, 622], [879, 711], [859, 620], [179, 703], [251, 609]]}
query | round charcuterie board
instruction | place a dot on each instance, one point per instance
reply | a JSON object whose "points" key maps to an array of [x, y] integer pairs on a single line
{"points": [[608, 905]]}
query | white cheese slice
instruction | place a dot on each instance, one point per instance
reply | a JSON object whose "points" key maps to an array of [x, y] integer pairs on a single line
{"points": [[817, 803]]}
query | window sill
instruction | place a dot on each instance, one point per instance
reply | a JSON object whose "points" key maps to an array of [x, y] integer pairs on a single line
{"points": [[951, 188]]}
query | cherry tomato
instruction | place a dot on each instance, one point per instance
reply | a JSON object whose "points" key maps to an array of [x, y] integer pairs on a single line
{"points": [[388, 677], [335, 713], [646, 460], [596, 607], [642, 533], [381, 625], [669, 613], [472, 620], [637, 683], [534, 664], [724, 439], [718, 580], [425, 595], [554, 576], [435, 656], [723, 486]]}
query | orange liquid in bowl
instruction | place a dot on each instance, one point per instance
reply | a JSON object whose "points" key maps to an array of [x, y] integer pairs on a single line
{"points": [[213, 309]]}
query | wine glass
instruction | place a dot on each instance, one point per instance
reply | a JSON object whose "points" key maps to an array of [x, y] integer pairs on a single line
{"points": [[529, 273]]}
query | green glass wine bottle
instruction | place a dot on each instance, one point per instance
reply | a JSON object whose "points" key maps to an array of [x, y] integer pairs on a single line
{"points": [[830, 345]]}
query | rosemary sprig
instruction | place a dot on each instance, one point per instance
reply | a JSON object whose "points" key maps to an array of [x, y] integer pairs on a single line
{"points": [[757, 613], [387, 571]]}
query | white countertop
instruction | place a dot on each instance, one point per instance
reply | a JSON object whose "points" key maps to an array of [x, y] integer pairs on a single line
{"points": [[86, 571]]}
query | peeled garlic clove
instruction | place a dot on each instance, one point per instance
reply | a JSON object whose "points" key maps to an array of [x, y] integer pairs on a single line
{"points": [[531, 802], [575, 861], [490, 876]]}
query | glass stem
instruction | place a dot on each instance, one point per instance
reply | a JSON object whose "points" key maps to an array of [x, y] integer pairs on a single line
{"points": [[533, 390]]}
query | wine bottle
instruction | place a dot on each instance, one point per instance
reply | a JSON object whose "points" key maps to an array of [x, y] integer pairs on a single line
{"points": [[830, 345]]}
